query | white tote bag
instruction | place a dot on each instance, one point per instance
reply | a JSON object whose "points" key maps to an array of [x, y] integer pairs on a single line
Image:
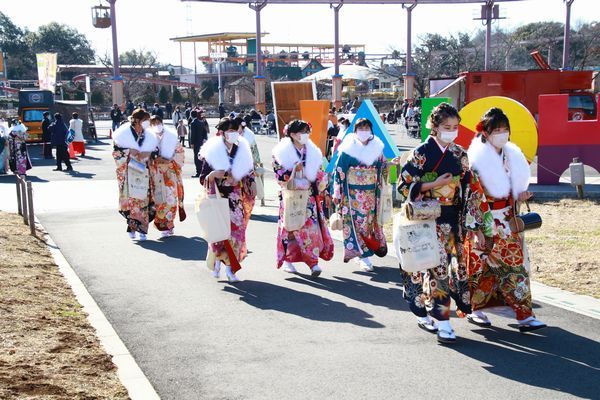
{"points": [[295, 202], [385, 207], [214, 217], [138, 180], [416, 243]]}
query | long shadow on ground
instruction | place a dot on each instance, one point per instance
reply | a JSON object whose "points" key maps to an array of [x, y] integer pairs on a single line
{"points": [[267, 296], [179, 247], [554, 359]]}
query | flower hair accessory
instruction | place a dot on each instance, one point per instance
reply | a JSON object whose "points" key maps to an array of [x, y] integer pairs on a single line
{"points": [[479, 127]]}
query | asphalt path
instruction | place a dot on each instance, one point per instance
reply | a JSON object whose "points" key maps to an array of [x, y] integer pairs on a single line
{"points": [[345, 335]]}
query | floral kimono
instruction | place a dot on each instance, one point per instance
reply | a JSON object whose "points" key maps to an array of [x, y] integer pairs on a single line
{"points": [[167, 182], [237, 188], [18, 156], [359, 174], [500, 279], [464, 208], [3, 148], [251, 138], [313, 240], [133, 176]]}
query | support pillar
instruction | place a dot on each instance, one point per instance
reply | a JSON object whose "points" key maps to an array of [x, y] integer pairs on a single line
{"points": [[336, 87], [409, 76], [117, 81], [489, 6], [567, 36], [260, 81]]}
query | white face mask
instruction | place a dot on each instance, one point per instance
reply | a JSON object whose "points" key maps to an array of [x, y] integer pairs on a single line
{"points": [[303, 138], [158, 128], [499, 139], [448, 136], [363, 135], [232, 137], [145, 124]]}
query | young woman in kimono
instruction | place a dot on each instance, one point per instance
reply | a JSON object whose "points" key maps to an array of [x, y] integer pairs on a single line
{"points": [[226, 161], [18, 160], [167, 182], [312, 241], [359, 175], [133, 145], [500, 278], [439, 169]]}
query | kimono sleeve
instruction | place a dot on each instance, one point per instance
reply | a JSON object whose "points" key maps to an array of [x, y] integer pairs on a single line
{"points": [[282, 174], [179, 157], [120, 155], [411, 172], [339, 177], [205, 169], [477, 214]]}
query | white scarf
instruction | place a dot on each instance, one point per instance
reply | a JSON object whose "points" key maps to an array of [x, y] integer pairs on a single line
{"points": [[489, 165], [286, 155], [366, 154], [124, 139], [214, 151], [168, 144]]}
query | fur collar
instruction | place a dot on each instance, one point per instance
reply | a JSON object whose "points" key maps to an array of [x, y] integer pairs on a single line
{"points": [[285, 154], [123, 138], [489, 165], [168, 144], [249, 136], [368, 154], [215, 153]]}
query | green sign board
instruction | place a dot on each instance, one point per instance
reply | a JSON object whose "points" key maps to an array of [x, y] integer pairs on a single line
{"points": [[427, 106]]}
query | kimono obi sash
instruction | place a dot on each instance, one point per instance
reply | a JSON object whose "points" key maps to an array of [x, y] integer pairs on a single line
{"points": [[362, 177], [446, 194]]}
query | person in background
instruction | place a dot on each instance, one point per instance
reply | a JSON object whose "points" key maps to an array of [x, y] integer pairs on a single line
{"points": [[313, 241], [158, 111], [169, 110], [46, 137], [198, 135], [226, 161], [129, 107], [116, 116], [59, 132], [165, 173], [188, 113], [344, 123], [76, 124], [182, 132], [221, 111], [3, 147], [250, 137], [500, 278], [177, 116], [133, 148]]}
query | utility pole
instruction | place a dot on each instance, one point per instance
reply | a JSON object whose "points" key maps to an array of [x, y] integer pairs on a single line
{"points": [[567, 35], [117, 83]]}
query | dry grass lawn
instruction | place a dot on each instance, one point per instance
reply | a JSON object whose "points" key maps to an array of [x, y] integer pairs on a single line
{"points": [[565, 251], [47, 347]]}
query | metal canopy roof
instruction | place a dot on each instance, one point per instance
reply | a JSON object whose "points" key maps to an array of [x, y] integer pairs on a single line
{"points": [[408, 2], [215, 37]]}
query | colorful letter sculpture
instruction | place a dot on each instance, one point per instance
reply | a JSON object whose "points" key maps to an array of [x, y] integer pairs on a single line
{"points": [[561, 139], [367, 110], [316, 112], [427, 106], [523, 129]]}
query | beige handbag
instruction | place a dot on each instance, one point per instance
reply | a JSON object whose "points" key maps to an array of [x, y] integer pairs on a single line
{"points": [[421, 210], [295, 202], [214, 216], [336, 222]]}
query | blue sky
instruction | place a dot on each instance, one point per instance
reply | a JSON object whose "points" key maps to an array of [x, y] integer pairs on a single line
{"points": [[378, 26]]}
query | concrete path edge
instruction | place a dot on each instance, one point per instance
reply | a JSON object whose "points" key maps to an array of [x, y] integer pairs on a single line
{"points": [[130, 374]]}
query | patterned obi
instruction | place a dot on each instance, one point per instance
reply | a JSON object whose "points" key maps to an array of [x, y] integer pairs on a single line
{"points": [[364, 178], [498, 204], [445, 194]]}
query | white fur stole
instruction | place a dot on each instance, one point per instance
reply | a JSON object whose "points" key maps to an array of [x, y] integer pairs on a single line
{"points": [[489, 165], [123, 138], [214, 151], [366, 154], [168, 144], [286, 155], [249, 136]]}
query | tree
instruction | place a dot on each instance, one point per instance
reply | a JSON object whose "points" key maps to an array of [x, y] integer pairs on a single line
{"points": [[71, 46], [163, 95], [97, 98], [192, 95], [207, 90], [177, 98], [140, 62], [20, 61]]}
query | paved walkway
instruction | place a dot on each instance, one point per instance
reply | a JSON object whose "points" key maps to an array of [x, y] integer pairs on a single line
{"points": [[345, 335]]}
